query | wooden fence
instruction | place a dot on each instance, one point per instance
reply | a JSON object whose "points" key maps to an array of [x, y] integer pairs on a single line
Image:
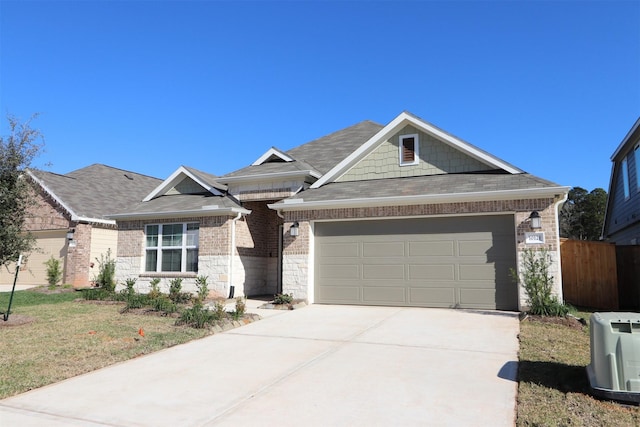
{"points": [[628, 277], [589, 274]]}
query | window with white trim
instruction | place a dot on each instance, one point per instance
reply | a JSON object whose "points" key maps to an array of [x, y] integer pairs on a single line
{"points": [[171, 247], [409, 146], [625, 178]]}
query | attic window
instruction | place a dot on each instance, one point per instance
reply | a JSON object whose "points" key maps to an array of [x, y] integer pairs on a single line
{"points": [[409, 145]]}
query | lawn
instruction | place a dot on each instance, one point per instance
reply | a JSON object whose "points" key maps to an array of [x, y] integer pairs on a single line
{"points": [[553, 388], [67, 338]]}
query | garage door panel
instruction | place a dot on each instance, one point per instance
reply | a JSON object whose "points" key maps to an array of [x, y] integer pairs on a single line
{"points": [[339, 250], [432, 272], [384, 294], [475, 248], [477, 297], [382, 272], [432, 297], [429, 262], [436, 248], [478, 272], [339, 294], [380, 249], [337, 271]]}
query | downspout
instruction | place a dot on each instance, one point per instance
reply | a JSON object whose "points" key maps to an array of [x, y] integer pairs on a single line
{"points": [[232, 255], [556, 207]]}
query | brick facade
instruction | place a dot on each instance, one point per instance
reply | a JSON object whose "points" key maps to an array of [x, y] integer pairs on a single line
{"points": [[297, 262]]}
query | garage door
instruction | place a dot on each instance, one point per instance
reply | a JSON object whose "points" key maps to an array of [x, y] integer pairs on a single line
{"points": [[34, 272], [462, 262]]}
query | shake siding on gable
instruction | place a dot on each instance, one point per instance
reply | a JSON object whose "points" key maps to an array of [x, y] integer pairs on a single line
{"points": [[436, 157], [624, 212]]}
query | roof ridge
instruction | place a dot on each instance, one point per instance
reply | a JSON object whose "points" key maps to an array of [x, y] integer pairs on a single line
{"points": [[114, 168]]}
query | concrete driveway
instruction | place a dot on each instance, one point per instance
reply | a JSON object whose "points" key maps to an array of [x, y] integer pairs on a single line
{"points": [[320, 365]]}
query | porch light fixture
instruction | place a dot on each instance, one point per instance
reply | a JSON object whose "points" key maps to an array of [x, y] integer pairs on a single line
{"points": [[535, 220], [294, 230], [70, 233]]}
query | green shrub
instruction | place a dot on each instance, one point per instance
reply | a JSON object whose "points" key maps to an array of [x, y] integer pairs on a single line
{"points": [[130, 284], [54, 271], [107, 272], [175, 291], [162, 303], [203, 287], [197, 317], [97, 294], [283, 299], [135, 301], [154, 292], [241, 307], [219, 311], [538, 284]]}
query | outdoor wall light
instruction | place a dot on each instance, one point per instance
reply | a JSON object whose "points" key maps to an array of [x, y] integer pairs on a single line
{"points": [[294, 230], [70, 233], [535, 220]]}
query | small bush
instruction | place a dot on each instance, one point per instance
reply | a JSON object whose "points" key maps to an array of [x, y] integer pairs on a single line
{"points": [[107, 272], [130, 284], [197, 317], [241, 307], [175, 291], [54, 271], [97, 294], [283, 299], [135, 301], [219, 311], [162, 303], [203, 287], [154, 292], [538, 283]]}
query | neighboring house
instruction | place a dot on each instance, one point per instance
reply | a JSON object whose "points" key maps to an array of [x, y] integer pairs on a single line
{"points": [[68, 220], [622, 219], [403, 214]]}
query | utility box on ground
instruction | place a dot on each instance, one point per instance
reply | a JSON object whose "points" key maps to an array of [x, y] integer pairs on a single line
{"points": [[614, 372]]}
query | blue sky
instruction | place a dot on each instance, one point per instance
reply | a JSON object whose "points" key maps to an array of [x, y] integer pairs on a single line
{"points": [[551, 87]]}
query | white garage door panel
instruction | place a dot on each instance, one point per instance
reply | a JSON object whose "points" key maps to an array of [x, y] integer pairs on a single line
{"points": [[436, 262], [384, 294]]}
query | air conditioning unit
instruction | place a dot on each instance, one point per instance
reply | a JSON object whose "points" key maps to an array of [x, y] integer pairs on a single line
{"points": [[614, 372]]}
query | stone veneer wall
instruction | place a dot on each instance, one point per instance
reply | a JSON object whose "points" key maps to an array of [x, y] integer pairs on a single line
{"points": [[297, 262]]}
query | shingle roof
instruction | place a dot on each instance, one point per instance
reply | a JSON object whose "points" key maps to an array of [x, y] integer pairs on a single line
{"points": [[97, 190], [319, 155], [424, 186], [177, 203], [207, 178]]}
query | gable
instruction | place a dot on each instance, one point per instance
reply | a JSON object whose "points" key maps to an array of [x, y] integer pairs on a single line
{"points": [[186, 186], [434, 157], [395, 127]]}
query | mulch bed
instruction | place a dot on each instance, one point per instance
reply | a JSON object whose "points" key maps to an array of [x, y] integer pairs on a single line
{"points": [[15, 320], [570, 322]]}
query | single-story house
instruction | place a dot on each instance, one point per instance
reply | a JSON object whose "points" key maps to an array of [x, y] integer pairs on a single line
{"points": [[622, 218], [67, 218], [400, 214]]}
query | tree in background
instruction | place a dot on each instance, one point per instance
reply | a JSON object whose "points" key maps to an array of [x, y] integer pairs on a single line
{"points": [[17, 151], [582, 215]]}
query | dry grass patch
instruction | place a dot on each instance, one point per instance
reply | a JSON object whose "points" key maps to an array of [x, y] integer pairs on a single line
{"points": [[70, 338], [553, 386]]}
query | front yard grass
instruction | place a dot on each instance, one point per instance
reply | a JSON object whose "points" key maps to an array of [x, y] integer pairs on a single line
{"points": [[553, 386], [68, 338]]}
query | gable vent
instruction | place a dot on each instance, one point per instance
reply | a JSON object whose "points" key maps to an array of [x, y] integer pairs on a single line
{"points": [[408, 150]]}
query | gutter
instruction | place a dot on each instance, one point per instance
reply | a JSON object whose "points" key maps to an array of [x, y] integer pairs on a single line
{"points": [[204, 211], [259, 177], [232, 255], [556, 207], [300, 204]]}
